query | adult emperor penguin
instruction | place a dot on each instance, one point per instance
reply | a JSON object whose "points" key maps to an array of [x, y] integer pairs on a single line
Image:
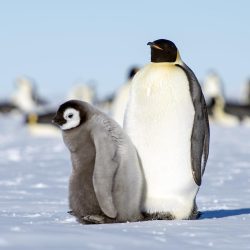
{"points": [[107, 182], [167, 121]]}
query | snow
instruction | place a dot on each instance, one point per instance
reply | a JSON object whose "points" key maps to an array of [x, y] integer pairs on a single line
{"points": [[34, 176]]}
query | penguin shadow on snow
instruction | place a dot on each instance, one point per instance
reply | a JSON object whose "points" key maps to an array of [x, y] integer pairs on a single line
{"points": [[222, 213]]}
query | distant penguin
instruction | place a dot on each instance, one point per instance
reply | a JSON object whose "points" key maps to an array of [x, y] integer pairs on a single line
{"points": [[82, 92], [217, 110], [39, 124], [167, 121], [222, 111], [25, 96], [121, 98], [240, 111], [212, 86], [106, 184]]}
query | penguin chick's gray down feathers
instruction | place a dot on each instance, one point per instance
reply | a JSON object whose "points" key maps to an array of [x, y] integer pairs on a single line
{"points": [[106, 184]]}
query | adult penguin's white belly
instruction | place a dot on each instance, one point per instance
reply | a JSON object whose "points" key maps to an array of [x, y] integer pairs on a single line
{"points": [[159, 120]]}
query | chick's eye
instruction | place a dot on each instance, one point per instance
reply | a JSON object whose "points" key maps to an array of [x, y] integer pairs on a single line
{"points": [[70, 116]]}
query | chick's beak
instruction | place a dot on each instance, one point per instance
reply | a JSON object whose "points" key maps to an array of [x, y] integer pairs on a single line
{"points": [[58, 121]]}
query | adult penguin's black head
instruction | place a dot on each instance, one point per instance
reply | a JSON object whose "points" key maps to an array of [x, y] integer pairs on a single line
{"points": [[163, 51]]}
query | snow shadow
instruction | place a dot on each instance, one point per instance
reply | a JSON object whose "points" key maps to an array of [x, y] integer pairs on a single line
{"points": [[222, 213]]}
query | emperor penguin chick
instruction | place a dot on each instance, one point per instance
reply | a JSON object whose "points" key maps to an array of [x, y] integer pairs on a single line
{"points": [[106, 184], [167, 121]]}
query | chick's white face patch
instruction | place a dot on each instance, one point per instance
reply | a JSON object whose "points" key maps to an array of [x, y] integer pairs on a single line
{"points": [[72, 117]]}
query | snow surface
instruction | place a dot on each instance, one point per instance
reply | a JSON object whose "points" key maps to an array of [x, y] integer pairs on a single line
{"points": [[34, 176]]}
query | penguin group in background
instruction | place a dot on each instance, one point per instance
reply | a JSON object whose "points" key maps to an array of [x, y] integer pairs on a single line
{"points": [[24, 99], [220, 110], [39, 123], [167, 120], [106, 184], [121, 98]]}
